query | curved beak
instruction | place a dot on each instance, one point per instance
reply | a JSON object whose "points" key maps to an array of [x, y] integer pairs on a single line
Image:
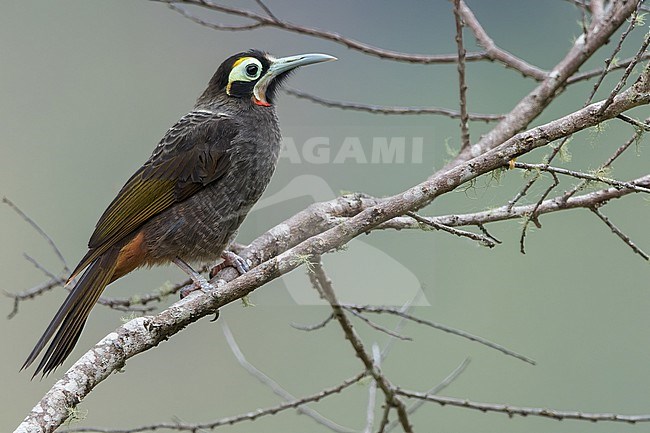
{"points": [[282, 65]]}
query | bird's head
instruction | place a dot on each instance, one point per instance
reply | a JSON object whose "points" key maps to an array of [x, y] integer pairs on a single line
{"points": [[256, 76]]}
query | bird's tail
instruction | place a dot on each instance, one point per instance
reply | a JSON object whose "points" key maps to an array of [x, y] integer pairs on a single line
{"points": [[71, 317]]}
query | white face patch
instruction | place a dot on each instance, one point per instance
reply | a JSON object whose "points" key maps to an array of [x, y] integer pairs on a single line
{"points": [[244, 69]]}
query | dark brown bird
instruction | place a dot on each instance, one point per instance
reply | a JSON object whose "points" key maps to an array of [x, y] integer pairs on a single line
{"points": [[188, 200]]}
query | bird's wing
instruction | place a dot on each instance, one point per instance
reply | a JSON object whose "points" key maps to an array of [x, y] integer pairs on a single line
{"points": [[192, 154]]}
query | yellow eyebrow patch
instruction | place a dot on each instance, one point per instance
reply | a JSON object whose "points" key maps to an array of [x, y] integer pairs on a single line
{"points": [[239, 60]]}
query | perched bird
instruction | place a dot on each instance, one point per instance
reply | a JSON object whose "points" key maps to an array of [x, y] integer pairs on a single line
{"points": [[187, 201]]}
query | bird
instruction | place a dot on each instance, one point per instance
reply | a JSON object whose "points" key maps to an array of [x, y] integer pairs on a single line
{"points": [[187, 201]]}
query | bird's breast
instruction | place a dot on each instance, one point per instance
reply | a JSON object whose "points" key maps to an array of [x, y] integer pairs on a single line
{"points": [[199, 228]]}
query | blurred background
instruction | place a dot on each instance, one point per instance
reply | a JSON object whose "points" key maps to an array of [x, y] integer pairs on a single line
{"points": [[87, 88]]}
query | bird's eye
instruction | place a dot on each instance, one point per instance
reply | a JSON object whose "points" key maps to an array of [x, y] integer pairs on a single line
{"points": [[244, 70], [251, 70]]}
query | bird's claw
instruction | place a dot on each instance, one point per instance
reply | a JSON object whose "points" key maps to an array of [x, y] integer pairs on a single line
{"points": [[199, 283], [233, 260]]}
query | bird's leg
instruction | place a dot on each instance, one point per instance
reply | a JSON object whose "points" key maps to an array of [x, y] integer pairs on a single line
{"points": [[200, 283], [230, 259]]}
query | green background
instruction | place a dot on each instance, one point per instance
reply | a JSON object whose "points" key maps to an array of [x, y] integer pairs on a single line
{"points": [[87, 88]]}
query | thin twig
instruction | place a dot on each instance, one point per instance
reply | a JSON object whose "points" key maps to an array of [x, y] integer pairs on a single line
{"points": [[607, 164], [441, 327], [556, 204], [40, 231], [611, 58], [323, 284], [532, 105], [379, 328], [618, 232], [263, 21], [534, 215], [537, 174], [493, 51], [524, 411], [634, 122], [451, 377], [40, 267], [485, 231], [603, 107], [462, 85], [312, 327], [372, 392], [383, 425], [382, 109], [400, 324], [31, 293], [297, 403], [626, 74], [56, 281], [598, 71], [266, 9], [582, 175], [214, 26], [483, 240]]}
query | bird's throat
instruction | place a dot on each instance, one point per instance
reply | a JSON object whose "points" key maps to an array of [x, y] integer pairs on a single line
{"points": [[260, 103]]}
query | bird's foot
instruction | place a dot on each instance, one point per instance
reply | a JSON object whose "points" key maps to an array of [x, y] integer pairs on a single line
{"points": [[200, 283], [233, 260]]}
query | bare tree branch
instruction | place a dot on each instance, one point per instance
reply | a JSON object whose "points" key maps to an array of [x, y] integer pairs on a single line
{"points": [[135, 303], [597, 9], [607, 164], [275, 387], [322, 282], [617, 49], [538, 99], [262, 21], [250, 416], [493, 51], [503, 213]]}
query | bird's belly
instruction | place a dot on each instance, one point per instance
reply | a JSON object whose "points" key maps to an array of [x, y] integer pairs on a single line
{"points": [[199, 228]]}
